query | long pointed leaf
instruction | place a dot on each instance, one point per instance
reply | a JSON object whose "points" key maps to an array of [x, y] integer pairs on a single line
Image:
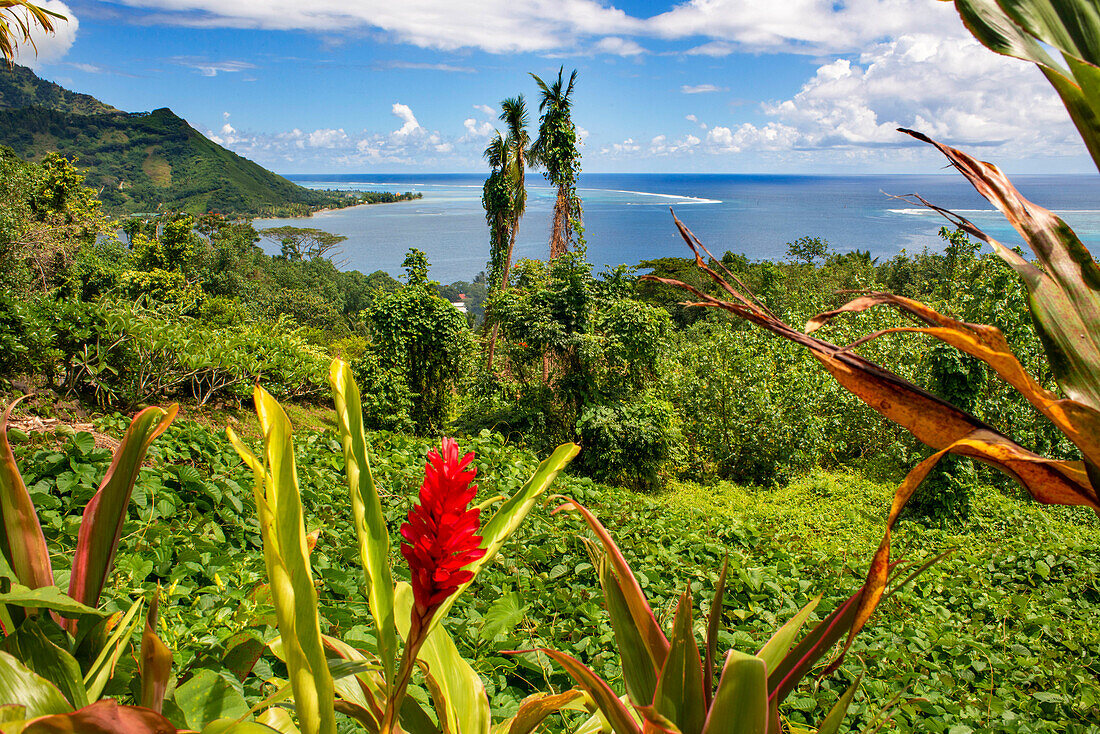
{"points": [[286, 554], [679, 694], [640, 610], [21, 686], [103, 668], [103, 717], [714, 623], [640, 670], [534, 709], [34, 649], [22, 541], [366, 512], [605, 699], [777, 647], [156, 660], [101, 527], [741, 701]]}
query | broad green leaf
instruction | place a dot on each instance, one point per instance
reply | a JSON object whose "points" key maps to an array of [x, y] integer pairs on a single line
{"points": [[101, 526], [22, 687], [464, 703], [640, 670], [30, 645], [103, 717], [779, 644], [103, 668], [278, 719], [48, 597], [621, 720], [207, 697], [366, 512], [679, 694], [286, 555], [741, 701], [502, 616], [351, 689], [511, 514], [832, 722], [21, 539]]}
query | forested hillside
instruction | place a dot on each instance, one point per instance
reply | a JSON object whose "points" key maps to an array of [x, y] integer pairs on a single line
{"points": [[144, 162]]}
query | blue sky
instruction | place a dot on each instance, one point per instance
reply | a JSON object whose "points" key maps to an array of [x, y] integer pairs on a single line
{"points": [[786, 86]]}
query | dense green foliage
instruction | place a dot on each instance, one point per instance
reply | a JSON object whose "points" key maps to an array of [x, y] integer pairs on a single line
{"points": [[23, 88], [997, 638]]}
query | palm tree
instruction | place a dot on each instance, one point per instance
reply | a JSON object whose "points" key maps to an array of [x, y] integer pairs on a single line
{"points": [[496, 197], [556, 151], [17, 19], [514, 115]]}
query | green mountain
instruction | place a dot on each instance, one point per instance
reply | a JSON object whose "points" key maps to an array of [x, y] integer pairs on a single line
{"points": [[143, 161]]}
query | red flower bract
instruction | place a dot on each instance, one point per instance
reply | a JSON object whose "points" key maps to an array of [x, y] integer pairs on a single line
{"points": [[441, 530]]}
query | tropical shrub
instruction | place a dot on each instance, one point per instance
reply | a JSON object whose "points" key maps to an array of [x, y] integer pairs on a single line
{"points": [[57, 665]]}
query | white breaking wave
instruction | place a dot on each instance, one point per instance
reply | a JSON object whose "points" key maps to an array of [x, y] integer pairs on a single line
{"points": [[687, 199]]}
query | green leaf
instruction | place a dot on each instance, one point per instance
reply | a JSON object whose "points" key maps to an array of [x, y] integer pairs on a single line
{"points": [[640, 670], [206, 698], [30, 645], [286, 555], [366, 511], [101, 526], [502, 616], [777, 647], [48, 597], [156, 660], [103, 668], [741, 701], [232, 726], [509, 517], [534, 709], [20, 686], [832, 722], [464, 704], [714, 622], [679, 694]]}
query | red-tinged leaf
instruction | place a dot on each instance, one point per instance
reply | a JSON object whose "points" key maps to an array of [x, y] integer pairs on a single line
{"points": [[679, 695], [803, 656], [605, 699], [534, 709], [640, 671], [101, 527], [103, 717], [156, 661], [714, 622], [655, 639], [22, 541], [1065, 291]]}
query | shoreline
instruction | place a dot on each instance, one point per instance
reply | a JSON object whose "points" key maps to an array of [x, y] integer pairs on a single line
{"points": [[328, 209]]}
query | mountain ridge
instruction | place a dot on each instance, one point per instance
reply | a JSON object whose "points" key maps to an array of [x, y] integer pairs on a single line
{"points": [[144, 161]]}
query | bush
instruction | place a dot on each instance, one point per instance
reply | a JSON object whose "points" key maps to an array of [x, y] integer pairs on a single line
{"points": [[627, 443]]}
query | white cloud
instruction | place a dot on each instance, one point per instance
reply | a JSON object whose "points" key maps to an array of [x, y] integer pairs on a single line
{"points": [[51, 46], [701, 88], [496, 26], [476, 130], [327, 138], [416, 65], [626, 147], [805, 26], [212, 68], [954, 90], [410, 127], [486, 110], [619, 46]]}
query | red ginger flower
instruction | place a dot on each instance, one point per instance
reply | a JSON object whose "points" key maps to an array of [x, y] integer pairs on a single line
{"points": [[441, 531]]}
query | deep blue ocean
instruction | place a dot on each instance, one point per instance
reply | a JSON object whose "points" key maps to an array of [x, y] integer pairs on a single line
{"points": [[626, 216]]}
